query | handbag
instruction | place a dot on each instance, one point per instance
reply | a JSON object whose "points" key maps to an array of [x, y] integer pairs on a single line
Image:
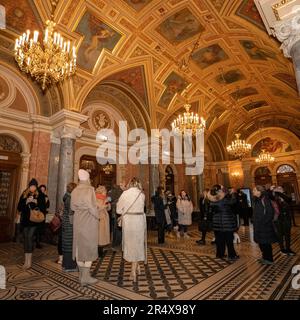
{"points": [[55, 223], [119, 220], [36, 215]]}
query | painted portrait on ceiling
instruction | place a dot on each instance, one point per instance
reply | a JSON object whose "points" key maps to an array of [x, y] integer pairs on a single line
{"points": [[271, 145], [137, 4], [255, 105], [21, 16], [248, 11], [287, 79], [97, 36], [174, 84], [255, 52], [230, 76], [243, 93], [180, 26], [208, 56]]}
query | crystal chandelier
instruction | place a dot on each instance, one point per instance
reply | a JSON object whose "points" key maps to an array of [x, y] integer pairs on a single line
{"points": [[264, 157], [188, 121], [49, 63], [238, 148]]}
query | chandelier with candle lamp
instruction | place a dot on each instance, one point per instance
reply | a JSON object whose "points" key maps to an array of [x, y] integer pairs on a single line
{"points": [[108, 169], [48, 62], [238, 148], [264, 157]]}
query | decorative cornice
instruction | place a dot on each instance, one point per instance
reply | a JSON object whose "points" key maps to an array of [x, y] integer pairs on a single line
{"points": [[288, 32]]}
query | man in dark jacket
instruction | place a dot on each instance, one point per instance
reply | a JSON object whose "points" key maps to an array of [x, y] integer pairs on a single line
{"points": [[263, 223], [115, 194], [242, 207], [159, 209], [284, 221], [224, 221]]}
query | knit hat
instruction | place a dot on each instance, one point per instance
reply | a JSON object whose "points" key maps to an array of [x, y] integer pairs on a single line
{"points": [[33, 182], [83, 175]]}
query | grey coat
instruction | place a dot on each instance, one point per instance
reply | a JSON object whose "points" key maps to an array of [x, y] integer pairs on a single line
{"points": [[86, 222]]}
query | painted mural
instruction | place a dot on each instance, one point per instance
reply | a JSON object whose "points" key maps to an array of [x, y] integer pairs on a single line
{"points": [[174, 84], [230, 76], [243, 93], [255, 105], [21, 16], [255, 52], [280, 93], [137, 4], [135, 79], [180, 26], [271, 145], [287, 79], [97, 36], [208, 56], [247, 10]]}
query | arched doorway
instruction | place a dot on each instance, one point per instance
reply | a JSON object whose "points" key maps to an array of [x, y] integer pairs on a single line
{"points": [[169, 179], [99, 174], [262, 176], [10, 165], [286, 177]]}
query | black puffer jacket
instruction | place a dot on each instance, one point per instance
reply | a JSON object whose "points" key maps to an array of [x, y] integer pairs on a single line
{"points": [[224, 219], [263, 220]]}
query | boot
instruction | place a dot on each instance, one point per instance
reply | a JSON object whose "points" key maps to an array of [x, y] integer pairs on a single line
{"points": [[28, 261], [86, 278]]}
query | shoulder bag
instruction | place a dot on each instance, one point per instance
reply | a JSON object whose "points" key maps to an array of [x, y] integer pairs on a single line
{"points": [[119, 221]]}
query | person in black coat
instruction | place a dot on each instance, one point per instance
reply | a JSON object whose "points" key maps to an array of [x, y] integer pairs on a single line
{"points": [[263, 223], [224, 221], [242, 207], [159, 209], [284, 221], [41, 227], [171, 203], [30, 199], [205, 221]]}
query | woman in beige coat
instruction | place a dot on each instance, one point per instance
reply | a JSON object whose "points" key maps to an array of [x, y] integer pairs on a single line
{"points": [[104, 228], [134, 227], [85, 227], [185, 210]]}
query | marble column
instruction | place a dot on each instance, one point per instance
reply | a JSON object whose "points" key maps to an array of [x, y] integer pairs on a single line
{"points": [[154, 178], [288, 32], [248, 179], [66, 160], [53, 171]]}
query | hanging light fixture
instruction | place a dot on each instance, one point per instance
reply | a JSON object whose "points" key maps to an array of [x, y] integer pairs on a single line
{"points": [[49, 63], [264, 157], [188, 121], [239, 148], [108, 169]]}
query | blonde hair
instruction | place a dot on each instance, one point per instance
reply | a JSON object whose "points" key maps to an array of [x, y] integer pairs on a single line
{"points": [[135, 183], [101, 190]]}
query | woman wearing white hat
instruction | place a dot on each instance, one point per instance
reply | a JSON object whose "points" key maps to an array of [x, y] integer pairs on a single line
{"points": [[86, 227]]}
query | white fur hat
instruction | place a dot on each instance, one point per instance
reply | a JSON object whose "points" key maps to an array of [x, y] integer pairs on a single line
{"points": [[83, 175]]}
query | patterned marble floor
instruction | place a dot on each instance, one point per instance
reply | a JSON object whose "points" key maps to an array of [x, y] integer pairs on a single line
{"points": [[179, 269]]}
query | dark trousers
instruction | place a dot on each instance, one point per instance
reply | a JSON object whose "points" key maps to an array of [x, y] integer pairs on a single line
{"points": [[116, 234], [267, 252], [223, 240], [161, 232], [183, 228], [283, 227], [68, 263], [39, 232], [203, 235], [59, 242], [29, 233]]}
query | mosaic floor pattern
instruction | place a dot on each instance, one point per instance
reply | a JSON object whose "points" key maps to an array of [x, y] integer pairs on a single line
{"points": [[179, 269]]}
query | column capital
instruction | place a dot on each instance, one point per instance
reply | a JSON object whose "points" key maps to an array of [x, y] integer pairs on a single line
{"points": [[65, 132], [287, 32]]}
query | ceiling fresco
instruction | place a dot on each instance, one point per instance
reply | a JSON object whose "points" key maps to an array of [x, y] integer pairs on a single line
{"points": [[236, 73]]}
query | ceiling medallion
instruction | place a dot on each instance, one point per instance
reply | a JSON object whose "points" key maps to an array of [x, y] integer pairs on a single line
{"points": [[239, 148], [49, 63]]}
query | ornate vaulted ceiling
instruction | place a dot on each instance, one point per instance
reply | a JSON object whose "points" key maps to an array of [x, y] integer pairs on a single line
{"points": [[237, 76]]}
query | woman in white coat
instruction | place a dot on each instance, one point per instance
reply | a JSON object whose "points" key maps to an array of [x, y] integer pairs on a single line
{"points": [[185, 210], [134, 228]]}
